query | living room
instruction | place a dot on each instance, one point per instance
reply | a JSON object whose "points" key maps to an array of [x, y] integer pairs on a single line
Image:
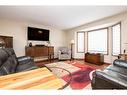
{"points": [[63, 37], [76, 71]]}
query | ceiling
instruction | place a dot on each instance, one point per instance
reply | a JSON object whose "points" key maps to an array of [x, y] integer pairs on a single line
{"points": [[61, 17]]}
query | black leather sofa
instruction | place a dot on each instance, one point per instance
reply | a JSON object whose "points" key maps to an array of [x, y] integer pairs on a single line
{"points": [[9, 63], [113, 77]]}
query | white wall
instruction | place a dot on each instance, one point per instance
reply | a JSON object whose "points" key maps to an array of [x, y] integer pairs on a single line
{"points": [[71, 34], [19, 32]]}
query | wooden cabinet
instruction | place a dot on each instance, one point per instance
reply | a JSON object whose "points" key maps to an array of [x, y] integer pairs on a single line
{"points": [[38, 51], [7, 41], [30, 51], [95, 58]]}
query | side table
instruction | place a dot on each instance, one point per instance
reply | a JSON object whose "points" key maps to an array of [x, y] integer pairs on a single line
{"points": [[122, 56]]}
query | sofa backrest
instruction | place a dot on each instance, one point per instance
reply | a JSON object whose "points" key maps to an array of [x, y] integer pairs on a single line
{"points": [[120, 63], [8, 61], [64, 50]]}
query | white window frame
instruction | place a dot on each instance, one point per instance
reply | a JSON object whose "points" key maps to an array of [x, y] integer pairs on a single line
{"points": [[106, 43], [78, 51], [120, 39]]}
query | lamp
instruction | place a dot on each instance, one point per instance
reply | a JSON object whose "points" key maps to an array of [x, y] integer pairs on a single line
{"points": [[72, 43]]}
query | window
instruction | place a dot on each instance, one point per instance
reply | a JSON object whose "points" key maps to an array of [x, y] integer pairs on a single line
{"points": [[80, 42], [116, 39], [97, 41]]}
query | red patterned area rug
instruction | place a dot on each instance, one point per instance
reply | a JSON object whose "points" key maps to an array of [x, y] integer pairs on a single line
{"points": [[80, 78], [79, 64]]}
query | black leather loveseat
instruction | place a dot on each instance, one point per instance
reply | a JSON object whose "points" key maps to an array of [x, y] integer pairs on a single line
{"points": [[113, 77], [9, 63]]}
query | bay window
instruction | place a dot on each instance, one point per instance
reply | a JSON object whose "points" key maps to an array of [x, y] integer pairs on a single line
{"points": [[80, 42], [98, 41], [116, 36]]}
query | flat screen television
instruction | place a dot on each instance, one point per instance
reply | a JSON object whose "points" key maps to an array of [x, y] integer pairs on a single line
{"points": [[37, 34]]}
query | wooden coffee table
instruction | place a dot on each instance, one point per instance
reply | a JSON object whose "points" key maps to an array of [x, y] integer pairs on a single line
{"points": [[40, 78]]}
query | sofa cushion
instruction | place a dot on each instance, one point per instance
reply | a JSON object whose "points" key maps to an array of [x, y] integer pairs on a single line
{"points": [[3, 71], [13, 59], [8, 61], [3, 56]]}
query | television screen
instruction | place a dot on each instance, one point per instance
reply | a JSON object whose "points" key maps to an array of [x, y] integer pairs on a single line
{"points": [[38, 34]]}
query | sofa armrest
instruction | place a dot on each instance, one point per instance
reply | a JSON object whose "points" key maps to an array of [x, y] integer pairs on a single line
{"points": [[102, 80], [25, 63], [22, 59], [120, 63], [108, 80], [59, 52]]}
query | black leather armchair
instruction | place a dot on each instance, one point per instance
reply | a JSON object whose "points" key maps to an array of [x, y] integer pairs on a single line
{"points": [[113, 77], [9, 63]]}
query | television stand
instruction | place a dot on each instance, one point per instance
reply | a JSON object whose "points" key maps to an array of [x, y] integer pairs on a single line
{"points": [[40, 51]]}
